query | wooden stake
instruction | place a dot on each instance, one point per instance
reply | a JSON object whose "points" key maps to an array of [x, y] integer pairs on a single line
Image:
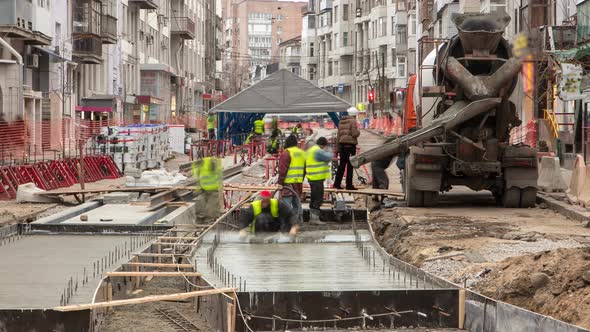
{"points": [[461, 308], [138, 279], [146, 299]]}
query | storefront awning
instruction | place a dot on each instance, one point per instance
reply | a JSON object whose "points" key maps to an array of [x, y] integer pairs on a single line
{"points": [[148, 100], [98, 109]]}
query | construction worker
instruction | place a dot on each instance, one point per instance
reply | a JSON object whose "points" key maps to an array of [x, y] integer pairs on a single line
{"points": [[273, 144], [346, 139], [211, 124], [297, 130], [268, 214], [317, 170], [208, 176], [250, 138], [291, 173], [259, 127]]}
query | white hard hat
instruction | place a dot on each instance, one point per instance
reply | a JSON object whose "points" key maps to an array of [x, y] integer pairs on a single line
{"points": [[352, 111]]}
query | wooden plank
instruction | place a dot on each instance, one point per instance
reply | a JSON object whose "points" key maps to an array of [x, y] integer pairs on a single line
{"points": [[147, 254], [361, 191], [173, 244], [146, 299], [180, 266], [191, 238], [461, 308], [152, 274], [101, 190]]}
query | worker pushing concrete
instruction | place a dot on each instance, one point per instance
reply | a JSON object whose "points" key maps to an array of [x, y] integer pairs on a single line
{"points": [[208, 174], [317, 171], [292, 173], [268, 214]]}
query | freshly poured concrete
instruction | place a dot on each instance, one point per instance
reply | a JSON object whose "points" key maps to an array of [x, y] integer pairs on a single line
{"points": [[34, 270], [331, 263], [114, 214]]}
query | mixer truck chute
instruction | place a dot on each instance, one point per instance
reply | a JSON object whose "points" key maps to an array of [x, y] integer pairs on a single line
{"points": [[464, 138]]}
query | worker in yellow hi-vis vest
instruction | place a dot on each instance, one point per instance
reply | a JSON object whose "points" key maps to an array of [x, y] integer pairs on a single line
{"points": [[268, 214], [291, 173], [317, 171], [208, 174], [259, 127], [211, 125]]}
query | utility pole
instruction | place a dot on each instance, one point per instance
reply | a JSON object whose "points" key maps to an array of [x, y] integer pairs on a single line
{"points": [[382, 90]]}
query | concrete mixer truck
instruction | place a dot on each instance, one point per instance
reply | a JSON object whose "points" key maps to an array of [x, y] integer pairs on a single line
{"points": [[463, 135]]}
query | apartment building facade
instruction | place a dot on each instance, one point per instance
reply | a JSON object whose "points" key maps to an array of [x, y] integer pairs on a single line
{"points": [[254, 29], [128, 60], [352, 47], [290, 55]]}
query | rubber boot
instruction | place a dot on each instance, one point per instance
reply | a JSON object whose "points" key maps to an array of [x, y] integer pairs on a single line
{"points": [[314, 218]]}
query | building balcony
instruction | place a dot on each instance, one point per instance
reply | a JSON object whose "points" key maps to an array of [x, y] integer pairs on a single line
{"points": [[19, 20], [325, 5], [145, 4], [109, 29], [88, 49], [183, 27]]}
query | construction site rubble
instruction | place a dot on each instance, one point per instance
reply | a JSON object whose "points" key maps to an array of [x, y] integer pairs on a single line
{"points": [[29, 193], [155, 178]]}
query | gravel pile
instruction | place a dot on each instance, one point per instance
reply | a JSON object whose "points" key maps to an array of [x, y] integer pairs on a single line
{"points": [[443, 268], [500, 252]]}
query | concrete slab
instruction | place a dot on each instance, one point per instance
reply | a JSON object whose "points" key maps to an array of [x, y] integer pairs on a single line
{"points": [[331, 263], [36, 268], [114, 214]]}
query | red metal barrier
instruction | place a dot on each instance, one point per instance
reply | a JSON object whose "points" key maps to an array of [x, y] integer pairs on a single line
{"points": [[55, 174]]}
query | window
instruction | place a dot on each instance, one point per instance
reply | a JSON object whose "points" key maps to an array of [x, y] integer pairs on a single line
{"points": [[401, 66], [393, 57], [402, 34], [412, 23], [310, 22], [330, 68], [498, 6], [345, 12], [279, 30], [279, 17], [344, 39], [335, 16], [393, 25], [401, 5], [279, 41], [382, 27]]}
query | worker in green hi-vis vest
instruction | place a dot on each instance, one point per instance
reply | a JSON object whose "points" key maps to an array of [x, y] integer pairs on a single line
{"points": [[211, 125], [208, 174]]}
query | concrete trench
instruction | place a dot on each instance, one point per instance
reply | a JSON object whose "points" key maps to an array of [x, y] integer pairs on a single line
{"points": [[334, 277]]}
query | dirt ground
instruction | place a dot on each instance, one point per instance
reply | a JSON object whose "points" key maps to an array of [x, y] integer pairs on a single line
{"points": [[145, 317], [499, 252]]}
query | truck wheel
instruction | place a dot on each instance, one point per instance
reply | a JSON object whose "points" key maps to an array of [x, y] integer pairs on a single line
{"points": [[528, 197], [430, 198], [414, 197], [511, 198]]}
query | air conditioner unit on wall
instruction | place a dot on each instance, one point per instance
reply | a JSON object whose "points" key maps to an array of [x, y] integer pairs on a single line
{"points": [[32, 61]]}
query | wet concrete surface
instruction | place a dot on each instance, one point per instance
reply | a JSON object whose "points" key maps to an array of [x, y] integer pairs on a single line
{"points": [[317, 262], [36, 268]]}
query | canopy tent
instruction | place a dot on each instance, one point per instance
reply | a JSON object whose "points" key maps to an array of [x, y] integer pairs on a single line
{"points": [[280, 93]]}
